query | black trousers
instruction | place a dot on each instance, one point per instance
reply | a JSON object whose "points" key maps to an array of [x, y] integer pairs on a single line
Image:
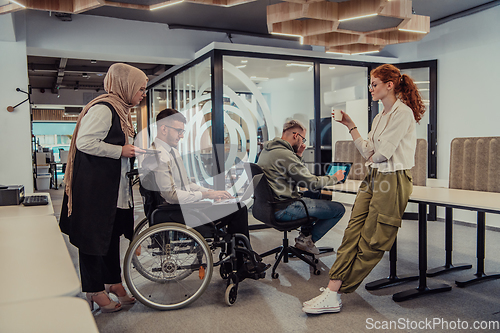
{"points": [[236, 222], [95, 271]]}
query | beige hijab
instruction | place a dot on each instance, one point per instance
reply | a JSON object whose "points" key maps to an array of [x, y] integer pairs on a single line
{"points": [[122, 82]]}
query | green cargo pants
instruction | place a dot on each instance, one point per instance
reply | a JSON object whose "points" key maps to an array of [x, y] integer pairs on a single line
{"points": [[375, 221]]}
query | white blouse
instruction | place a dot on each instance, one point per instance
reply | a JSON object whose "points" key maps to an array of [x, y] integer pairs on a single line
{"points": [[94, 128], [392, 140]]}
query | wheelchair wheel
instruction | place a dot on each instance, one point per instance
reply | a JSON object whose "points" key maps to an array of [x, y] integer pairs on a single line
{"points": [[172, 268], [141, 226], [231, 294]]}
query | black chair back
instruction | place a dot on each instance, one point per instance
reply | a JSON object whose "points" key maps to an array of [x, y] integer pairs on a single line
{"points": [[263, 196], [265, 204]]}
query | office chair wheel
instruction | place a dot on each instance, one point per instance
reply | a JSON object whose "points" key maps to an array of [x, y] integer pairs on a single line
{"points": [[317, 272], [275, 275], [141, 226], [173, 268], [231, 294]]}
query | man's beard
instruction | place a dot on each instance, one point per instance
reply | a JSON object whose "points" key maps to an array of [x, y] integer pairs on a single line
{"points": [[296, 148]]}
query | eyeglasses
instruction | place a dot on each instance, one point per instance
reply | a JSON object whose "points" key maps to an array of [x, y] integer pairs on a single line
{"points": [[372, 86], [143, 91], [180, 131], [304, 140]]}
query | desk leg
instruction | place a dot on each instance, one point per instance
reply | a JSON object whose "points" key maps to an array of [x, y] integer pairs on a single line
{"points": [[392, 279], [448, 266], [55, 176], [422, 289], [481, 240]]}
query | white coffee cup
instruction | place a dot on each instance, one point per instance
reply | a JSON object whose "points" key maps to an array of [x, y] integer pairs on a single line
{"points": [[337, 115]]}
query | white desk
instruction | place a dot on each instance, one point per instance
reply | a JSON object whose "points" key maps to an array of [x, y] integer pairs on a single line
{"points": [[21, 210], [488, 202], [52, 315], [35, 260], [481, 202]]}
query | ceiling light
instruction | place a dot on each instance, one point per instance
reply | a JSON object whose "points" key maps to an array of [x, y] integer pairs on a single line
{"points": [[170, 3], [421, 82], [331, 67], [415, 31], [17, 3], [158, 97], [291, 35], [241, 66], [298, 65], [367, 52], [255, 78], [358, 17], [93, 61], [244, 61], [343, 53]]}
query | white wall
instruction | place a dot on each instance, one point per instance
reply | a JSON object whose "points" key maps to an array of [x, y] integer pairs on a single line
{"points": [[101, 38], [468, 51], [15, 132]]}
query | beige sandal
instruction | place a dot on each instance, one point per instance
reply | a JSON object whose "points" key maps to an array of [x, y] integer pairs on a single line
{"points": [[111, 307], [124, 300]]}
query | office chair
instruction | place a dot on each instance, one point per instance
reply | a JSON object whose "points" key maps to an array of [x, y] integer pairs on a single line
{"points": [[263, 210]]}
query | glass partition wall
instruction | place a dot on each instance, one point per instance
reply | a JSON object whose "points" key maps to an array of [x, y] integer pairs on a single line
{"points": [[234, 101], [192, 97], [259, 96]]}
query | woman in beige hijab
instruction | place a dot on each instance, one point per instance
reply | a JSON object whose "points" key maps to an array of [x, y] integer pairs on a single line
{"points": [[97, 205]]}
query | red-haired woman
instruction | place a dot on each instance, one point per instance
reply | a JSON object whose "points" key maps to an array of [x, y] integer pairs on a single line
{"points": [[383, 194]]}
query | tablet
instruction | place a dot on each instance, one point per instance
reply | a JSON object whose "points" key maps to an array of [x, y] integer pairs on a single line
{"points": [[336, 166]]}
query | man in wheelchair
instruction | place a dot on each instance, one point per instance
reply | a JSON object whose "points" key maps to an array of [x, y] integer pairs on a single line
{"points": [[164, 179]]}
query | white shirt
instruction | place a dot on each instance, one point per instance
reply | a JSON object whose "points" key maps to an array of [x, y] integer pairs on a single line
{"points": [[94, 128], [394, 136], [168, 175]]}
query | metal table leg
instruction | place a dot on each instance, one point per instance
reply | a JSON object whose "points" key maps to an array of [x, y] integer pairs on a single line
{"points": [[448, 266], [481, 240], [422, 289]]}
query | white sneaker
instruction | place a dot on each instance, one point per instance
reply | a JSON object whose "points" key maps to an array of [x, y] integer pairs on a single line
{"points": [[309, 302], [327, 302], [306, 244]]}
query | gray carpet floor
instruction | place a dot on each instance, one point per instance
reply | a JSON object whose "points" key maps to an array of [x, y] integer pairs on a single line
{"points": [[274, 305]]}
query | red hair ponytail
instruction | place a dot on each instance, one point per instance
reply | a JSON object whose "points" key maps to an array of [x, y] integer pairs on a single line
{"points": [[404, 88]]}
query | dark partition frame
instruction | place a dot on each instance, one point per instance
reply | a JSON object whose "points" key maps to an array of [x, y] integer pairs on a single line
{"points": [[216, 56]]}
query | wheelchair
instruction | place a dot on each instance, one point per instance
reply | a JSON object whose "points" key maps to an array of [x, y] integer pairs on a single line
{"points": [[168, 266]]}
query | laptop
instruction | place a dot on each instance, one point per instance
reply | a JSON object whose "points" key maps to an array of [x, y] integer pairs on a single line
{"points": [[246, 195], [336, 166]]}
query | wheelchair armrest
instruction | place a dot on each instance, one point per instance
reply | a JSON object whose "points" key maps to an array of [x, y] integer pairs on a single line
{"points": [[194, 205], [132, 173]]}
